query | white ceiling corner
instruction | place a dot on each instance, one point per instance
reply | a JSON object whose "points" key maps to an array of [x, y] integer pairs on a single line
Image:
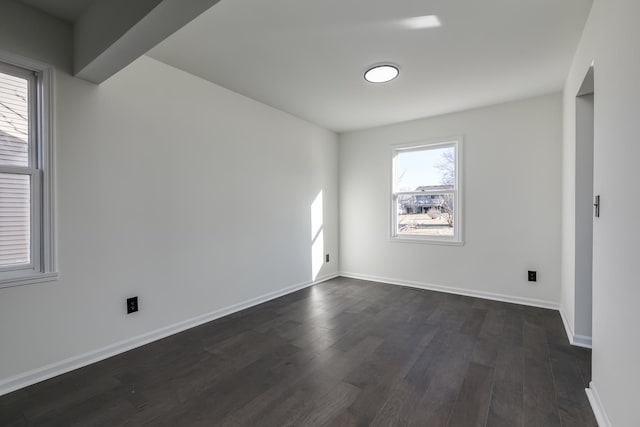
{"points": [[67, 10]]}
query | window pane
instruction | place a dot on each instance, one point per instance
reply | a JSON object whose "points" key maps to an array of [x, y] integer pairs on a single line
{"points": [[15, 219], [428, 215], [14, 120], [419, 170]]}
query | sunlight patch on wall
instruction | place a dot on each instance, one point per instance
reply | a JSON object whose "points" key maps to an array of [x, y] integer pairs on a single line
{"points": [[317, 236]]}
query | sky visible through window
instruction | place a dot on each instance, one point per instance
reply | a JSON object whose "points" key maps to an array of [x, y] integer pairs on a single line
{"points": [[418, 168]]}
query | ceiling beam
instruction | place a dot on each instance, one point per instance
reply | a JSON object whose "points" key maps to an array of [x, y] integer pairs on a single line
{"points": [[113, 33]]}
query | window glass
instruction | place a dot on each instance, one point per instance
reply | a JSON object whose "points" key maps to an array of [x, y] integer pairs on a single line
{"points": [[426, 192]]}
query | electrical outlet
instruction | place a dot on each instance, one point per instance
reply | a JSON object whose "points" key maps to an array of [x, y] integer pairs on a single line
{"points": [[326, 258], [132, 305], [533, 276]]}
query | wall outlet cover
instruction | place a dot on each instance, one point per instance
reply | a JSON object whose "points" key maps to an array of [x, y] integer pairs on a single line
{"points": [[132, 305]]}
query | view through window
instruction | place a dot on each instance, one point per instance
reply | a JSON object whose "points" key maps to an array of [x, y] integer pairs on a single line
{"points": [[426, 194], [16, 170]]}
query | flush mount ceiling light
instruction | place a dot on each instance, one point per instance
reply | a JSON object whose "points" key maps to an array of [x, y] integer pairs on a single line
{"points": [[381, 73]]}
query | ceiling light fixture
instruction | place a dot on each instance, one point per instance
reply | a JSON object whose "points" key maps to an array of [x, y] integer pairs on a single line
{"points": [[419, 22], [381, 73]]}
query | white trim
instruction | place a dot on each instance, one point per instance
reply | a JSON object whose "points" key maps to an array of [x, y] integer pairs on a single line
{"points": [[19, 381], [457, 291], [567, 326], [597, 406], [28, 279], [47, 157], [23, 61], [582, 341], [577, 340], [433, 240]]}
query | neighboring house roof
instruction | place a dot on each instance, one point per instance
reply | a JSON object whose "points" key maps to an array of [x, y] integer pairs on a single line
{"points": [[434, 187]]}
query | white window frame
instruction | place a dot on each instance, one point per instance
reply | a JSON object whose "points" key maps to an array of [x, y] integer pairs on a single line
{"points": [[41, 151], [457, 238]]}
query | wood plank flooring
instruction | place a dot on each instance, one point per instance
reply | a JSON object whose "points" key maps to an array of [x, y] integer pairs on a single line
{"points": [[342, 353]]}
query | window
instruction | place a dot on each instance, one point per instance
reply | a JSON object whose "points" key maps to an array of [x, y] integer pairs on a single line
{"points": [[26, 194], [426, 200]]}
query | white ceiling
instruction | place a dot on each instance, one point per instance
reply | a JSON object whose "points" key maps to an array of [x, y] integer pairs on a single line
{"points": [[68, 10], [307, 57]]}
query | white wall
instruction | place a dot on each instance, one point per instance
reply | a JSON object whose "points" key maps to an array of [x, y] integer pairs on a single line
{"points": [[176, 190], [610, 40], [511, 203], [44, 38]]}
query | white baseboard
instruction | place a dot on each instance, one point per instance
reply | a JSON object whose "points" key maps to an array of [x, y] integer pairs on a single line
{"points": [[577, 340], [19, 381], [596, 406], [457, 291], [582, 341]]}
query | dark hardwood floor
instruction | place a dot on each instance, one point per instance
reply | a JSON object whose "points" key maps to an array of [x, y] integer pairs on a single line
{"points": [[342, 353]]}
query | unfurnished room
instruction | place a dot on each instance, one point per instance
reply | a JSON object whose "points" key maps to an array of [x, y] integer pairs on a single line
{"points": [[319, 213]]}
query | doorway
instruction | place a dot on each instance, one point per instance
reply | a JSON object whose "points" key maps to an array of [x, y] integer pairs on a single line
{"points": [[584, 210]]}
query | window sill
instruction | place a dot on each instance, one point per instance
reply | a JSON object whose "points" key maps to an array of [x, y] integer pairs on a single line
{"points": [[27, 279], [425, 241]]}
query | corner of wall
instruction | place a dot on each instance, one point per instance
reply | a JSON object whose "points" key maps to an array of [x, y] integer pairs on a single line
{"points": [[577, 340], [46, 39]]}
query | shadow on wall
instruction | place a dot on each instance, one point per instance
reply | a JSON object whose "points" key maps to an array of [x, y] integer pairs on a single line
{"points": [[317, 236]]}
